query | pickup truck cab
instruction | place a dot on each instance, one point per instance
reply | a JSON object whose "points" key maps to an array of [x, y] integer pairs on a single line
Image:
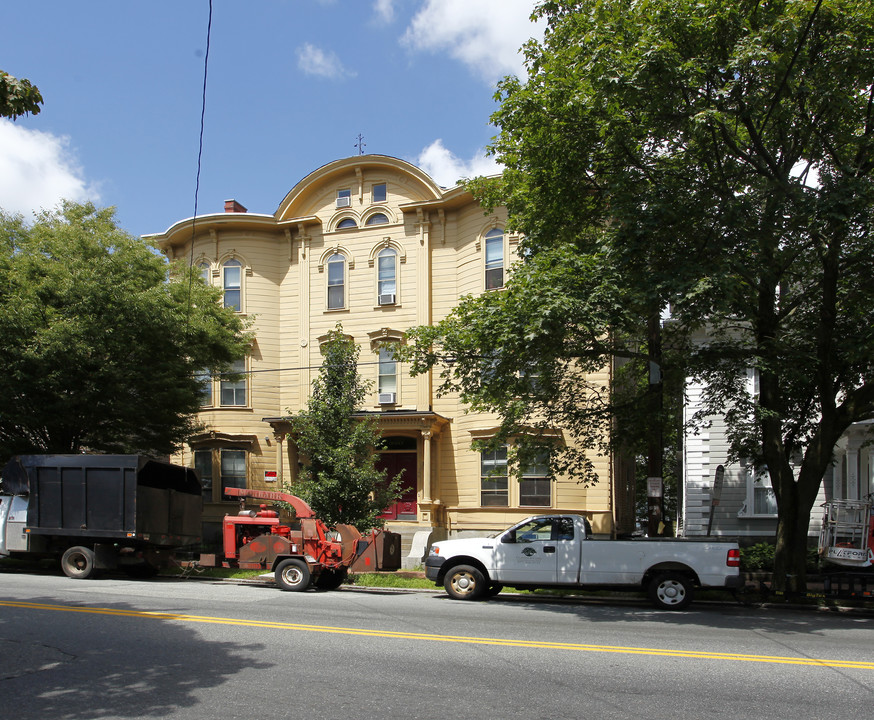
{"points": [[557, 551]]}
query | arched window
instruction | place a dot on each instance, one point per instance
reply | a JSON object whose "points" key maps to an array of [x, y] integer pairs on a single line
{"points": [[494, 259], [336, 282], [232, 277], [346, 223], [205, 271], [377, 219], [386, 276]]}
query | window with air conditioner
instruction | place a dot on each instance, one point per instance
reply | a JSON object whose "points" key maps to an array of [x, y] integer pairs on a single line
{"points": [[388, 376], [344, 198], [386, 276]]}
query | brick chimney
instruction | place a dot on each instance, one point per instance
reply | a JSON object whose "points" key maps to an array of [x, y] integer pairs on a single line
{"points": [[232, 206]]}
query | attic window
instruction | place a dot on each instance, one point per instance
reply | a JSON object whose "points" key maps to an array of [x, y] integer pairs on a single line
{"points": [[377, 219]]}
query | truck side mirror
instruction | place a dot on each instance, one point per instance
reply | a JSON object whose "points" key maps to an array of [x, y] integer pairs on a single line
{"points": [[509, 537]]}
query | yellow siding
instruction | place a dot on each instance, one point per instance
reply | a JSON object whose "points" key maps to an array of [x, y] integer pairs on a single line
{"points": [[440, 238]]}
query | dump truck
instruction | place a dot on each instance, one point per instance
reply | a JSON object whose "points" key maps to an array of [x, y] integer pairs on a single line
{"points": [[297, 547], [98, 512]]}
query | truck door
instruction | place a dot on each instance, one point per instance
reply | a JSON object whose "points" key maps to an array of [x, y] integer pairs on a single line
{"points": [[527, 553]]}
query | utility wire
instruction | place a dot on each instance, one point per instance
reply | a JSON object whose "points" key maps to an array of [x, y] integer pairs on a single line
{"points": [[199, 159]]}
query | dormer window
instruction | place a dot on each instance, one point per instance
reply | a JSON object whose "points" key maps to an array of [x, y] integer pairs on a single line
{"points": [[344, 198]]}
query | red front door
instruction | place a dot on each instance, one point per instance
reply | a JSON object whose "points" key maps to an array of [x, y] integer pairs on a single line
{"points": [[393, 463]]}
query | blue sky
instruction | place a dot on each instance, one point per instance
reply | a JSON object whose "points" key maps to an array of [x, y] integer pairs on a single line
{"points": [[290, 85]]}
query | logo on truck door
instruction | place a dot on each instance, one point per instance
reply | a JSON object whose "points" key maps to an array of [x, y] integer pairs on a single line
{"points": [[529, 551]]}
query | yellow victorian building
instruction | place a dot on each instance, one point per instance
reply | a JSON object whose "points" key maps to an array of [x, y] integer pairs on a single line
{"points": [[373, 243]]}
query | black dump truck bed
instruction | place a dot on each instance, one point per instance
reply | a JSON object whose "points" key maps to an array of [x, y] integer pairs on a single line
{"points": [[107, 496]]}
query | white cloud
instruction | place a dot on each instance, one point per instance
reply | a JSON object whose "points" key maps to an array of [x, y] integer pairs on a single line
{"points": [[486, 35], [38, 170], [447, 169], [315, 61], [385, 10]]}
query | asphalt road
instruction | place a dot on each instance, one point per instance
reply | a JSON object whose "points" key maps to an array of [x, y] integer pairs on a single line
{"points": [[116, 648]]}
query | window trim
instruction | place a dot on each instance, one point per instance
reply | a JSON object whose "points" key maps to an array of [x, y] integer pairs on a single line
{"points": [[245, 386], [395, 275], [526, 474], [380, 363], [756, 479], [485, 477], [384, 198], [232, 262], [215, 453], [488, 240], [343, 285]]}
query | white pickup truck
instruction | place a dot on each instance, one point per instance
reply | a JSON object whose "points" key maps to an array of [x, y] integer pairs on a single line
{"points": [[557, 551]]}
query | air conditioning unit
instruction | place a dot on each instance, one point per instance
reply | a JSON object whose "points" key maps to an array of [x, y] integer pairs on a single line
{"points": [[388, 398], [387, 299], [344, 202]]}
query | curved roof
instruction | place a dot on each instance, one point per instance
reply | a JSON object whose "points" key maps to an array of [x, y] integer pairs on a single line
{"points": [[295, 203]]}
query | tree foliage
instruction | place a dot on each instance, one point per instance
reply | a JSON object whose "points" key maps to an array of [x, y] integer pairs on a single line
{"points": [[714, 156], [99, 342], [339, 478], [18, 97]]}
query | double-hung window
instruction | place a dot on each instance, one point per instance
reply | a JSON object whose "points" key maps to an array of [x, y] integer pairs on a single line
{"points": [[203, 466], [535, 487], [233, 471], [233, 389], [336, 282], [377, 193], [232, 278], [494, 259], [494, 488], [388, 375], [386, 276], [204, 381]]}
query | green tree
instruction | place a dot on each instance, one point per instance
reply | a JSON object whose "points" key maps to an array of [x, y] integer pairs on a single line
{"points": [[339, 449], [100, 342], [18, 97], [715, 156]]}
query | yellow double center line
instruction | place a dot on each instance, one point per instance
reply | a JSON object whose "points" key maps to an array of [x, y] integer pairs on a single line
{"points": [[499, 642]]}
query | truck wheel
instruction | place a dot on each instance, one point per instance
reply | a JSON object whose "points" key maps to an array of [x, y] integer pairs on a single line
{"points": [[465, 582], [78, 562], [331, 579], [671, 591], [292, 575]]}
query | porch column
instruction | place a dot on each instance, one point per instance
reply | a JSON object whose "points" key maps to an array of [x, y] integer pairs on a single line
{"points": [[852, 474], [426, 466]]}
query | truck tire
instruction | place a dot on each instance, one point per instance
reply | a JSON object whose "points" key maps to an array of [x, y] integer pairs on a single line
{"points": [[78, 562], [671, 591], [331, 579], [465, 582], [292, 575]]}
